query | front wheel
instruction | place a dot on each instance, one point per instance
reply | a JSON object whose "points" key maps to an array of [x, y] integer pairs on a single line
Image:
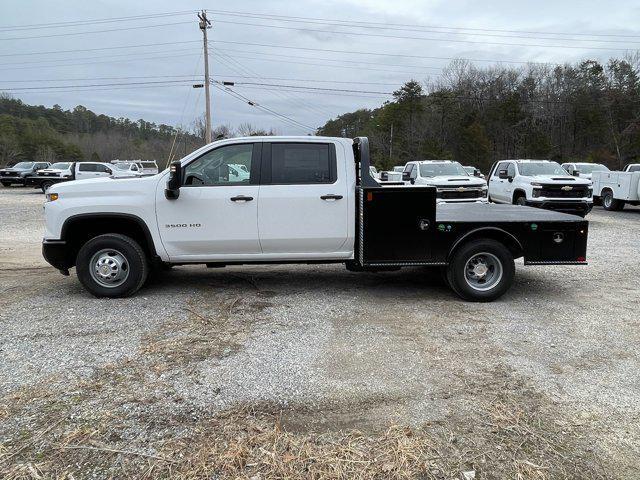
{"points": [[481, 270], [610, 203], [6, 184], [112, 265]]}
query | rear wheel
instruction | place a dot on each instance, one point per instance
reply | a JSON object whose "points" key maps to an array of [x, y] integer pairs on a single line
{"points": [[45, 186], [112, 265], [481, 270]]}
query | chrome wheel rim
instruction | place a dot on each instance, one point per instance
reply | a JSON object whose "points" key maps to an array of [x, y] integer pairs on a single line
{"points": [[109, 268], [483, 271], [607, 200]]}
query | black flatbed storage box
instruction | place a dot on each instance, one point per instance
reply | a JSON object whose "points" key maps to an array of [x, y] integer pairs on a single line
{"points": [[403, 226]]}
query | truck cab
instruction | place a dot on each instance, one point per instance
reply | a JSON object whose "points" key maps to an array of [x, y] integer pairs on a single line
{"points": [[453, 183], [632, 167], [539, 183], [304, 200]]}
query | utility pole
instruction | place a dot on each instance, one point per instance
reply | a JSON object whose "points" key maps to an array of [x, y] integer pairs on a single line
{"points": [[205, 24], [391, 143]]}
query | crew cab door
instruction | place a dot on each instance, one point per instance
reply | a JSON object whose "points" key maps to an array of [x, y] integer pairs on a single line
{"points": [[303, 206], [215, 216], [498, 186]]}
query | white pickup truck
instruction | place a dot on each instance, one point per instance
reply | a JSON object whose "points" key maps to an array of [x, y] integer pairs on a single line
{"points": [[617, 189], [453, 183], [539, 183], [66, 172], [306, 200]]}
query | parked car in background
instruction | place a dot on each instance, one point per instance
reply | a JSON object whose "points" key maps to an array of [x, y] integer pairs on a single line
{"points": [[15, 175], [474, 172], [539, 183], [374, 172], [453, 183], [632, 167], [398, 168], [617, 189], [391, 176], [66, 171], [125, 168], [584, 170]]}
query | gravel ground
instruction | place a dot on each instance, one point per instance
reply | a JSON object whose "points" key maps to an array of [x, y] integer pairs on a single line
{"points": [[328, 348]]}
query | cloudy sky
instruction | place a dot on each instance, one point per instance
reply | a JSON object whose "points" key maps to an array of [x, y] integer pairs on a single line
{"points": [[138, 59]]}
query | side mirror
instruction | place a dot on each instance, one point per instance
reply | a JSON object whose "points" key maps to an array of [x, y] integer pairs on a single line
{"points": [[109, 171], [172, 191], [503, 174], [576, 173], [476, 173], [405, 176]]}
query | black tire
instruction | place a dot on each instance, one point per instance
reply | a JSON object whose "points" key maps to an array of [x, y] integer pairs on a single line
{"points": [[456, 271], [44, 186], [610, 203], [520, 200], [135, 261], [6, 184]]}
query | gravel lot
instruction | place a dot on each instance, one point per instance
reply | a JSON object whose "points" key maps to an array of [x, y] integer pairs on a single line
{"points": [[328, 350]]}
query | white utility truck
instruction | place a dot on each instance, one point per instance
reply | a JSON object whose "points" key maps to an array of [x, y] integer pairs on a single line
{"points": [[453, 183], [584, 170], [306, 200], [616, 189]]}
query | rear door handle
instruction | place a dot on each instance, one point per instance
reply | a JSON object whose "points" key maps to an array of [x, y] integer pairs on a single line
{"points": [[331, 197], [241, 198]]}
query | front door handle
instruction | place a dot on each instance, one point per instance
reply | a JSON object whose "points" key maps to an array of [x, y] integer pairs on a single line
{"points": [[241, 198], [331, 197]]}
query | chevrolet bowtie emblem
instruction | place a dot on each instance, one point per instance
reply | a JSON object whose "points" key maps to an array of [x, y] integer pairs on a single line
{"points": [[461, 189], [567, 188]]}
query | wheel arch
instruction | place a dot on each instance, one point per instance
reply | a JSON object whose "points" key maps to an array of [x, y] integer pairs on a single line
{"points": [[494, 233], [518, 192], [78, 229]]}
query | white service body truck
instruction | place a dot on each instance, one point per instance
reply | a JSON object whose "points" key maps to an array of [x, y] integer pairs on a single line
{"points": [[306, 200], [616, 189]]}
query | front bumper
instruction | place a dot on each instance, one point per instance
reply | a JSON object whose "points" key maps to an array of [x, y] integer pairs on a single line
{"points": [[56, 253], [574, 208], [12, 180]]}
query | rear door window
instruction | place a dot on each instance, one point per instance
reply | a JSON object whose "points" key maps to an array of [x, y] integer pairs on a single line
{"points": [[87, 167], [302, 163]]}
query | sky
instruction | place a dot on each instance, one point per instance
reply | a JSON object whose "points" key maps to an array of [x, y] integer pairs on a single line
{"points": [[345, 54]]}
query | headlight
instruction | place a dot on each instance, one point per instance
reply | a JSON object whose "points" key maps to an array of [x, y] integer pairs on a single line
{"points": [[536, 185], [52, 197]]}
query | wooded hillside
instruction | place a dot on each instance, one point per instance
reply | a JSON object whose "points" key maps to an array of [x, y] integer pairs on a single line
{"points": [[583, 112], [47, 134]]}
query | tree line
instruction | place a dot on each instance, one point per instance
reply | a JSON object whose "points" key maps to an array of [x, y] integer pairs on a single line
{"points": [[583, 112]]}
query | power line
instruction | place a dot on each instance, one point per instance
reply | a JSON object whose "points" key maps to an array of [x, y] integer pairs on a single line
{"points": [[312, 88], [352, 52], [423, 29], [95, 31], [97, 49], [356, 22], [73, 23], [282, 117], [350, 61], [404, 37], [56, 87], [226, 59]]}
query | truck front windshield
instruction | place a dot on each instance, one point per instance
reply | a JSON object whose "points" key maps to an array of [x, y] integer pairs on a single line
{"points": [[591, 167], [441, 169], [541, 168], [60, 166], [23, 165]]}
